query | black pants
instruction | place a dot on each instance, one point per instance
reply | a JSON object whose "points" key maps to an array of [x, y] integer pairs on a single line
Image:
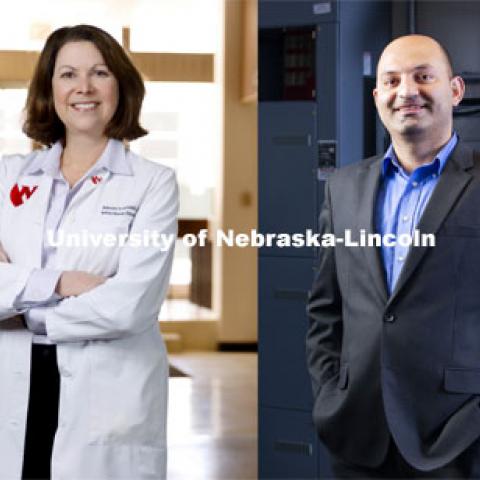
{"points": [[42, 416], [394, 466]]}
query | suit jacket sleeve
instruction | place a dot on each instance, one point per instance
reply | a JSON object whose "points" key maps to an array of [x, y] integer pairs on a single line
{"points": [[324, 336]]}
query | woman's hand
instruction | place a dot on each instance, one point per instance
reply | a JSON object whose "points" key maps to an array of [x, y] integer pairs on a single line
{"points": [[3, 255], [73, 283]]}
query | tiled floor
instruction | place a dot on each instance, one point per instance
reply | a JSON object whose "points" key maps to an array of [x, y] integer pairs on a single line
{"points": [[213, 417]]}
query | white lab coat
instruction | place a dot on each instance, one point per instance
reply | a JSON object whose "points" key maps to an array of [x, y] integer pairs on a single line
{"points": [[111, 357]]}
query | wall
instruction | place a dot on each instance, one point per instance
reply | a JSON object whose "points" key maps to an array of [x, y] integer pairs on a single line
{"points": [[235, 269]]}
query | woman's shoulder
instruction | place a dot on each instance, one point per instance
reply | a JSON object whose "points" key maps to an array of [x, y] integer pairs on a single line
{"points": [[15, 163], [13, 160], [148, 168]]}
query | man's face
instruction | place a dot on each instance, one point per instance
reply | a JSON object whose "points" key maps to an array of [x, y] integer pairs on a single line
{"points": [[415, 91]]}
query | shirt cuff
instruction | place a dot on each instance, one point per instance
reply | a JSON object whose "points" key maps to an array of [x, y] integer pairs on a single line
{"points": [[39, 289]]}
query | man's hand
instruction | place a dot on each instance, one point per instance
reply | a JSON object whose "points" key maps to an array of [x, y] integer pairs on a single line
{"points": [[74, 283], [3, 255]]}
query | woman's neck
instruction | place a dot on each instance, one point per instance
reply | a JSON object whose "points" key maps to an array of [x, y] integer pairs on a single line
{"points": [[82, 152]]}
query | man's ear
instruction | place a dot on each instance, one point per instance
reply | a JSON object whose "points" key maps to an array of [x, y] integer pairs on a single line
{"points": [[375, 93], [458, 89]]}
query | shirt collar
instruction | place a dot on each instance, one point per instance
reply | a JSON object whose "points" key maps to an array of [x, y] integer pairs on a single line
{"points": [[391, 164], [113, 158]]}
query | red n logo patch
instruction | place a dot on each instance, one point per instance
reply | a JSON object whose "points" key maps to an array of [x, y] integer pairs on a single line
{"points": [[18, 196], [96, 179]]}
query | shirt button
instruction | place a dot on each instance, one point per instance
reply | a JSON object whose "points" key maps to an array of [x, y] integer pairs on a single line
{"points": [[389, 317], [405, 218], [414, 184], [401, 258]]}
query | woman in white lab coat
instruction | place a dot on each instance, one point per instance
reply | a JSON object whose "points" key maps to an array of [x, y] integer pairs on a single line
{"points": [[83, 368]]}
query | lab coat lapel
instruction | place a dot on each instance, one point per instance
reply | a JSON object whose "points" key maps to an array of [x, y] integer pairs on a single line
{"points": [[90, 185], [35, 215], [113, 159], [450, 185]]}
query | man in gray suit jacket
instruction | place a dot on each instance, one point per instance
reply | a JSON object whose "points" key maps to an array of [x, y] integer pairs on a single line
{"points": [[393, 346]]}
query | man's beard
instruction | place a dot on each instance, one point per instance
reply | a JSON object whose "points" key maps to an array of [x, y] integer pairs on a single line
{"points": [[411, 132], [414, 130]]}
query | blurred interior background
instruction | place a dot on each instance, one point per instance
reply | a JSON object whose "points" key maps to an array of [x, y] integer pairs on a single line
{"points": [[199, 61]]}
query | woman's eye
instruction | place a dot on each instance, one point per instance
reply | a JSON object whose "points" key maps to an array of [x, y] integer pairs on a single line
{"points": [[66, 75], [102, 73]]}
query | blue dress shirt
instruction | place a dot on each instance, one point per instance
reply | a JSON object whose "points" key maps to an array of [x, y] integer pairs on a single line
{"points": [[401, 200]]}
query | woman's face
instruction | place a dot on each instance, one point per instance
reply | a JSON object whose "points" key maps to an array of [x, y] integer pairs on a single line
{"points": [[85, 92]]}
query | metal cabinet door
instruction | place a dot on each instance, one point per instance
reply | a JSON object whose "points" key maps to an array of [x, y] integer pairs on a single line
{"points": [[289, 447], [283, 288], [288, 192]]}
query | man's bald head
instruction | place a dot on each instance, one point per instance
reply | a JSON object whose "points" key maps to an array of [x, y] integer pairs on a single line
{"points": [[416, 90], [409, 42]]}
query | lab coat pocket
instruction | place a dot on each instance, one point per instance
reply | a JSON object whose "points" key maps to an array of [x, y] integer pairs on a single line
{"points": [[95, 247], [127, 394], [110, 226], [108, 420]]}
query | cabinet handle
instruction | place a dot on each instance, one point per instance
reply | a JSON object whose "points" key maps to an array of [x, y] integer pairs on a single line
{"points": [[290, 294], [301, 448]]}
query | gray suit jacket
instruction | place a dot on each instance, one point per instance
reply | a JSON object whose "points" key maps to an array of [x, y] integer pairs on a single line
{"points": [[409, 364]]}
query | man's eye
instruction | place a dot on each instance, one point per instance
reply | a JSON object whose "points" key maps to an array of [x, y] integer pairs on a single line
{"points": [[390, 82], [426, 77]]}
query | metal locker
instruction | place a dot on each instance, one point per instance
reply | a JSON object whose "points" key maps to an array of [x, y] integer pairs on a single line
{"points": [[289, 447], [283, 290], [286, 172]]}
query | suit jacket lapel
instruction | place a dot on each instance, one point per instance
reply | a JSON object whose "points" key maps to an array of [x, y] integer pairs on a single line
{"points": [[369, 183], [450, 185]]}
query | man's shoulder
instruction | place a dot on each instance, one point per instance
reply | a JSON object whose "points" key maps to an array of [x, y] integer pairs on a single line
{"points": [[467, 157], [350, 172]]}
